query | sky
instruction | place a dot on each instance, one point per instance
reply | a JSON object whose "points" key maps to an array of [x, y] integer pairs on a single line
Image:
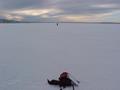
{"points": [[61, 10]]}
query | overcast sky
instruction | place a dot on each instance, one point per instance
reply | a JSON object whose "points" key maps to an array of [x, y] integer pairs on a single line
{"points": [[61, 10]]}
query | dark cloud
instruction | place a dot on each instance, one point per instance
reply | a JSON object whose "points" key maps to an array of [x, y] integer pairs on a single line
{"points": [[86, 6], [17, 4]]}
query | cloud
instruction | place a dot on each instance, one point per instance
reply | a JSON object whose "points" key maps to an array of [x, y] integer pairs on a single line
{"points": [[11, 16], [53, 10], [21, 14], [85, 18], [105, 6], [104, 17], [36, 12]]}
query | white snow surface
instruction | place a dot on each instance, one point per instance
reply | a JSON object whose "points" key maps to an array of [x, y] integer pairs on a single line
{"points": [[32, 53]]}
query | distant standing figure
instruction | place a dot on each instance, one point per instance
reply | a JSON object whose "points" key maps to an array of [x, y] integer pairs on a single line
{"points": [[57, 24]]}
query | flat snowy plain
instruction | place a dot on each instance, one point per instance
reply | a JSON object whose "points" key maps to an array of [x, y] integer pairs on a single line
{"points": [[31, 53]]}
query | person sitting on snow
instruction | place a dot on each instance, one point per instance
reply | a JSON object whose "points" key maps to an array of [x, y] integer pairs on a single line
{"points": [[63, 81]]}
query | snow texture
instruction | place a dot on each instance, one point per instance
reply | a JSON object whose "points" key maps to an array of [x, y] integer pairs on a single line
{"points": [[31, 53]]}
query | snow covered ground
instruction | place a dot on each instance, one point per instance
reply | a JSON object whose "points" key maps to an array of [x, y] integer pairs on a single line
{"points": [[31, 53]]}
